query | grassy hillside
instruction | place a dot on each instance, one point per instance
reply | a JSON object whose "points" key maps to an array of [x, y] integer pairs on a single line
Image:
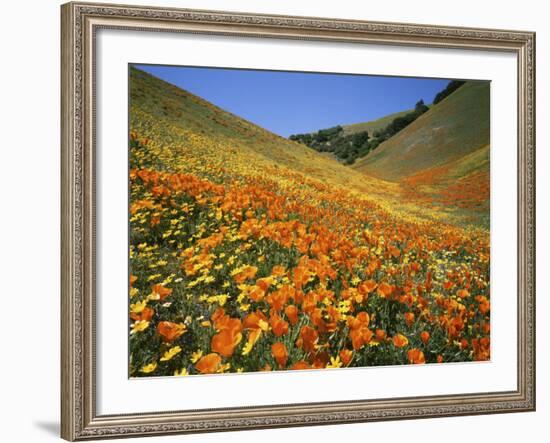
{"points": [[455, 127], [373, 125], [252, 253], [172, 118]]}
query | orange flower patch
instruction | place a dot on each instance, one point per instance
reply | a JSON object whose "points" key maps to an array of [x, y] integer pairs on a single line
{"points": [[160, 291], [278, 325], [308, 339], [384, 290], [209, 364], [291, 312], [425, 337], [416, 356], [170, 331], [300, 365], [346, 355], [249, 272], [280, 354], [400, 341], [146, 314], [225, 341]]}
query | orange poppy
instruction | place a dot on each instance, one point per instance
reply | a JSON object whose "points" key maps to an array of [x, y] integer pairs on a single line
{"points": [[300, 365], [170, 331], [409, 318], [400, 341], [278, 271], [277, 299], [161, 291], [146, 314], [133, 279], [484, 304], [278, 325], [482, 348], [308, 339], [247, 273], [209, 364], [369, 286], [255, 320], [264, 283], [416, 356], [360, 334], [223, 321], [384, 290], [395, 252], [463, 293], [425, 337], [225, 341], [256, 294], [346, 355], [300, 277], [280, 354], [321, 360], [291, 312]]}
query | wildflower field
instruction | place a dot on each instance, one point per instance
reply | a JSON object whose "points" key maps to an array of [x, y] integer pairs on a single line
{"points": [[249, 252]]}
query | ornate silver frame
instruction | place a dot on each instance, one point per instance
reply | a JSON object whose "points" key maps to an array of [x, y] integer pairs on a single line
{"points": [[80, 21]]}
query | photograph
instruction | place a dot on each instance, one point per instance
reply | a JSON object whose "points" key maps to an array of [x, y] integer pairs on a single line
{"points": [[285, 220]]}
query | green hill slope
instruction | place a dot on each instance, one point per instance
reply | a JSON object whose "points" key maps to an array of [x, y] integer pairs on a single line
{"points": [[453, 128], [373, 125], [176, 121]]}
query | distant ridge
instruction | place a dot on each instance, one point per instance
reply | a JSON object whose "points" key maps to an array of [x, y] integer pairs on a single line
{"points": [[455, 127]]}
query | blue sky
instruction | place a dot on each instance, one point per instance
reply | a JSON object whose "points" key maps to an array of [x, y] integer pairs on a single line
{"points": [[291, 102]]}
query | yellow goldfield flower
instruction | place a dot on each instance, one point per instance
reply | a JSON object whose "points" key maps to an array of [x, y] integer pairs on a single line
{"points": [[171, 353], [181, 373], [224, 367], [136, 308], [147, 369], [264, 326], [153, 277], [139, 326], [334, 362], [195, 356]]}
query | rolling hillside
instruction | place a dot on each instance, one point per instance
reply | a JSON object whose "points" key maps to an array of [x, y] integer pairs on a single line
{"points": [[455, 127], [173, 119], [249, 252]]}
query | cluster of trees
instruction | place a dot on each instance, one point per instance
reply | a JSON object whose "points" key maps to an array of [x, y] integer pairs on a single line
{"points": [[451, 87], [345, 147], [350, 147]]}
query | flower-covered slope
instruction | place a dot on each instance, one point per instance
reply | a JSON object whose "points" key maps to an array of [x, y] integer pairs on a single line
{"points": [[249, 252]]}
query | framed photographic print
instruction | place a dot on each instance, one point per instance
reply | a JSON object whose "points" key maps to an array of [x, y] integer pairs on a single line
{"points": [[281, 221]]}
